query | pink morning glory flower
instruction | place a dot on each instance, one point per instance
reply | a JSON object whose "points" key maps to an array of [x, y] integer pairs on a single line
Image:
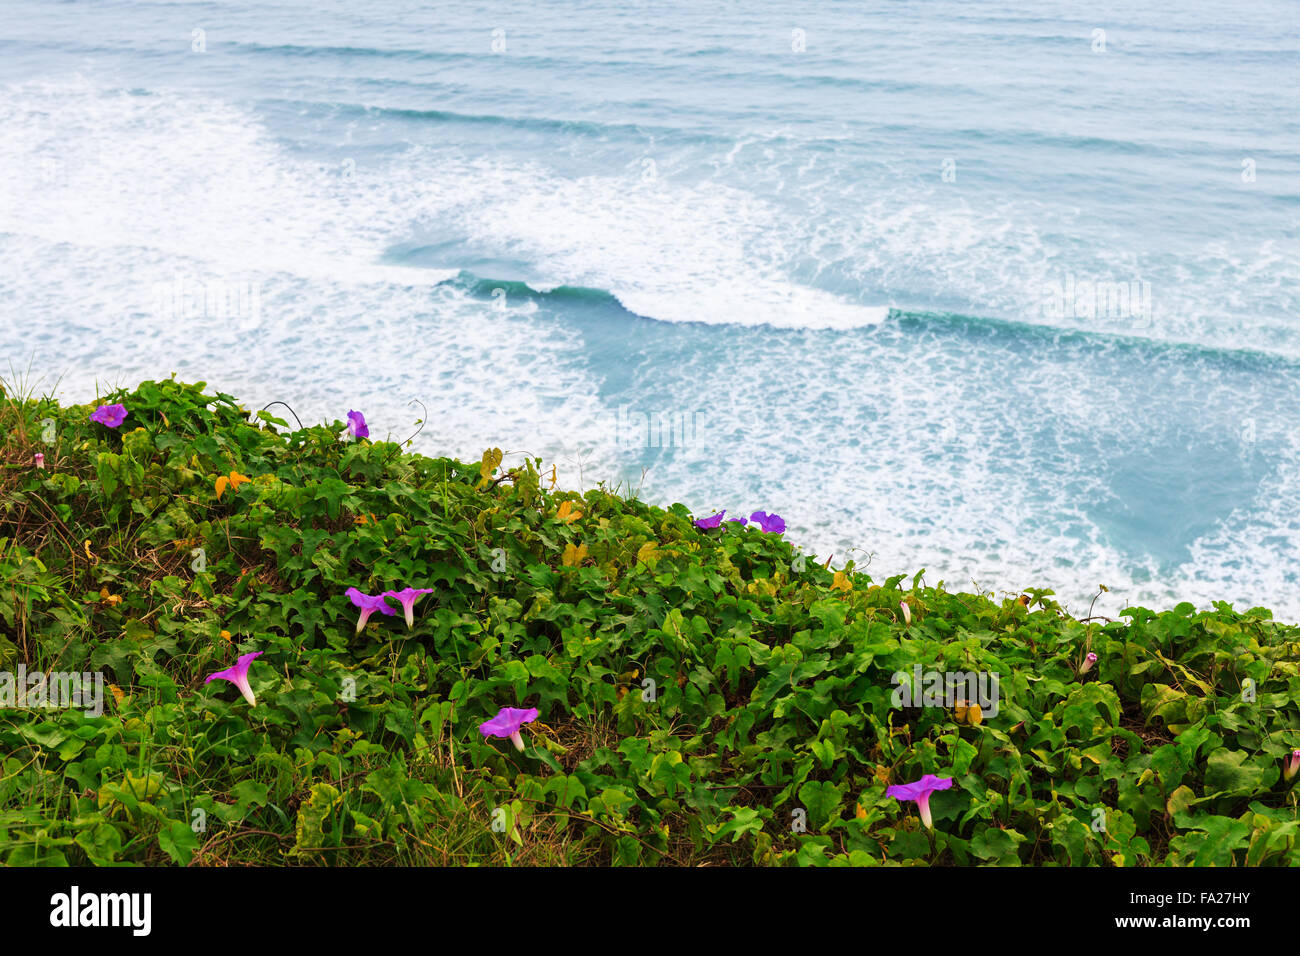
{"points": [[368, 604], [712, 521], [920, 792], [507, 723], [110, 415], [407, 598], [1088, 662], [238, 675], [357, 425], [1293, 766], [39, 460], [771, 524]]}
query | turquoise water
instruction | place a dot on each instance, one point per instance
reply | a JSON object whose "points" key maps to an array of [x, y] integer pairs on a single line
{"points": [[833, 253]]}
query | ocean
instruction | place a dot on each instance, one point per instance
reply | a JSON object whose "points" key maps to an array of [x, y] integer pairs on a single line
{"points": [[1008, 295]]}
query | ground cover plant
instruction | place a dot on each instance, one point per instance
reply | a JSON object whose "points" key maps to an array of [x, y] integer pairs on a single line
{"points": [[322, 649]]}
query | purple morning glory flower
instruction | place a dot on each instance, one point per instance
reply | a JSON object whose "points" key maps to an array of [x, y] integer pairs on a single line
{"points": [[740, 521], [1293, 766], [507, 723], [110, 415], [920, 792], [357, 425], [712, 521], [368, 605], [772, 524], [407, 598], [1088, 662], [238, 675]]}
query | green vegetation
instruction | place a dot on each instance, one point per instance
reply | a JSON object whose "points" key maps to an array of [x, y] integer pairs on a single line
{"points": [[770, 702]]}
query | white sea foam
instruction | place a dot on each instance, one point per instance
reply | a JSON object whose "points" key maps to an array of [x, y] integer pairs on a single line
{"points": [[704, 253]]}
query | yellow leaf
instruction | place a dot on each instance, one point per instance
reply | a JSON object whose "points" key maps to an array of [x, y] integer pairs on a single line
{"points": [[89, 557], [221, 486], [841, 582], [573, 556], [236, 479], [107, 598], [1181, 799], [225, 636], [491, 458], [649, 553], [118, 694], [567, 512], [861, 812]]}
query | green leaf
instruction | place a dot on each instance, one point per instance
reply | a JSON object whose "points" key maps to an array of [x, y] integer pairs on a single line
{"points": [[821, 799], [1214, 845], [1231, 773], [178, 841]]}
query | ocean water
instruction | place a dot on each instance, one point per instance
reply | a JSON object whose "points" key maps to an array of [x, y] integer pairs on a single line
{"points": [[1013, 297]]}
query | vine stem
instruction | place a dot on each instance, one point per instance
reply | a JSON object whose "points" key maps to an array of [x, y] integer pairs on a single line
{"points": [[291, 412]]}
